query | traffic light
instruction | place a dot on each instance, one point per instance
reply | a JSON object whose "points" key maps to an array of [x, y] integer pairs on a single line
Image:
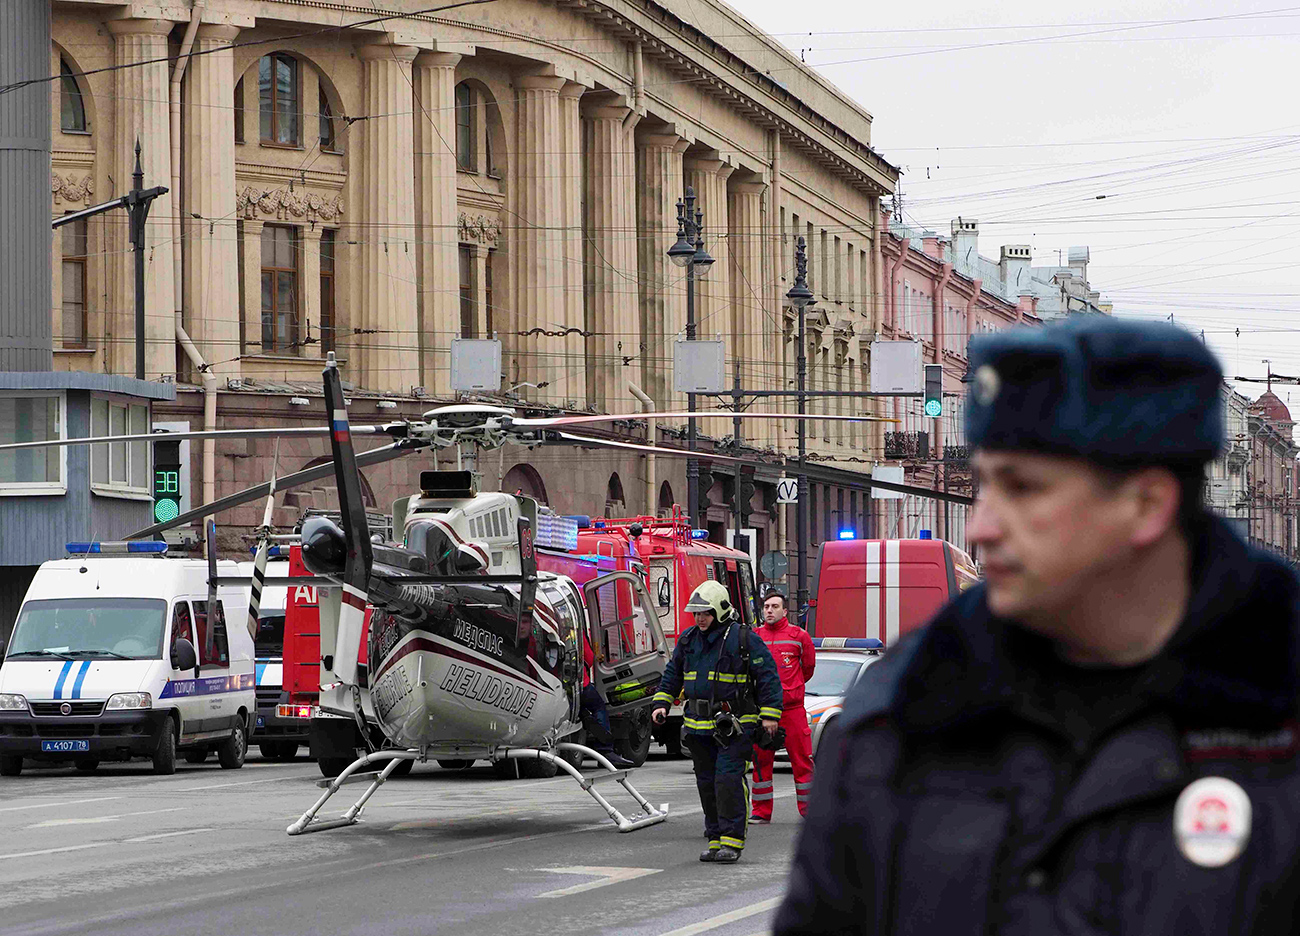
{"points": [[166, 481], [934, 390]]}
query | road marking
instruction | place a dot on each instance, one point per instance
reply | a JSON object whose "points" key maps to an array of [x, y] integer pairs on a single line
{"points": [[53, 851], [721, 920], [163, 835], [222, 786], [97, 799], [606, 876], [93, 820]]}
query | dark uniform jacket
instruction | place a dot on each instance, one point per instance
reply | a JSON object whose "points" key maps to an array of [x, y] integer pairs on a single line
{"points": [[978, 786], [708, 665]]}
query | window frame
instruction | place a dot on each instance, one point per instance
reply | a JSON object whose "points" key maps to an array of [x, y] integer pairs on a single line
{"points": [[467, 261], [325, 117], [110, 487], [272, 141], [239, 111], [296, 270], [328, 289], [466, 129], [66, 77], [42, 488], [220, 638], [82, 261]]}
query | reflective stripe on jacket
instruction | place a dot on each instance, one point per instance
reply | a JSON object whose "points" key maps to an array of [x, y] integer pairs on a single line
{"points": [[705, 665], [795, 657]]}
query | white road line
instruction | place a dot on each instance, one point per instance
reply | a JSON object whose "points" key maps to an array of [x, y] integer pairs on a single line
{"points": [[97, 799], [605, 877], [723, 919], [93, 820], [222, 786], [54, 851], [163, 835]]}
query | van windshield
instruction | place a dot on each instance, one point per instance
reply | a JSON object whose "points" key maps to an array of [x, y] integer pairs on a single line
{"points": [[85, 628]]}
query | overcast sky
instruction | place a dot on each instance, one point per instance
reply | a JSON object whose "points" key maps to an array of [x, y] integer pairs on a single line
{"points": [[1182, 114]]}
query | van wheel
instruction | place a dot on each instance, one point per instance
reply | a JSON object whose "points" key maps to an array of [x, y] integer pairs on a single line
{"points": [[11, 766], [636, 746], [197, 755], [232, 751], [333, 766], [279, 750], [87, 764], [451, 763], [164, 758]]}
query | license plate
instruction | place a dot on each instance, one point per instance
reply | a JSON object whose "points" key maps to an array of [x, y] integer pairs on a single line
{"points": [[65, 747], [261, 721]]}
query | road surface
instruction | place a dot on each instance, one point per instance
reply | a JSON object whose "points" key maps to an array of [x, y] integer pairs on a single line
{"points": [[205, 852]]}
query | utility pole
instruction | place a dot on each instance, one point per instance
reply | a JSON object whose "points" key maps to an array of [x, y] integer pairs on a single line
{"points": [[689, 253], [800, 296], [735, 435], [136, 202]]}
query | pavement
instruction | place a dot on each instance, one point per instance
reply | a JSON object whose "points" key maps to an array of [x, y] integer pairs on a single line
{"points": [[205, 852]]}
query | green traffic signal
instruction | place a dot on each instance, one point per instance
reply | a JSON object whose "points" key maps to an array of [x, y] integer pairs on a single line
{"points": [[166, 509], [933, 408]]}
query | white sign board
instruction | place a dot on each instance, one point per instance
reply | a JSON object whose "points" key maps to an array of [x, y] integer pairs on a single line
{"points": [[896, 367], [787, 490], [476, 364], [753, 542], [699, 366], [892, 474]]}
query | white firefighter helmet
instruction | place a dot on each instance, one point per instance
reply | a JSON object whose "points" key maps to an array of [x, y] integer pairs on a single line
{"points": [[712, 596]]}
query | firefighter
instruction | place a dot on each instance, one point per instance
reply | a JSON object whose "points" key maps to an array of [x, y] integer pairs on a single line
{"points": [[795, 657], [1101, 737], [731, 686]]}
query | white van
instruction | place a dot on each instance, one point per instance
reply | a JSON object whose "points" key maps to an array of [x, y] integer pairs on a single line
{"points": [[110, 659]]}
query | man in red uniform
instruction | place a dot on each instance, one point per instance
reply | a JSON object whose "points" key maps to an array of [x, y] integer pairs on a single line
{"points": [[795, 658]]}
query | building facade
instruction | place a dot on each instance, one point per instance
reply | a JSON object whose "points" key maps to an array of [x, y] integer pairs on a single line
{"points": [[378, 185]]}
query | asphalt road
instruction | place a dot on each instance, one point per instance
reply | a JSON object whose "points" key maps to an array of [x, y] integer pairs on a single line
{"points": [[205, 851]]}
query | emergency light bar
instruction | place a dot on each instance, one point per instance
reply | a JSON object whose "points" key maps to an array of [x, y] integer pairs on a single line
{"points": [[848, 534], [556, 532], [119, 548], [847, 643], [271, 551], [699, 534]]}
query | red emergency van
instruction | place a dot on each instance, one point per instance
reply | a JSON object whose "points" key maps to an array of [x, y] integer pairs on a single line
{"points": [[884, 588]]}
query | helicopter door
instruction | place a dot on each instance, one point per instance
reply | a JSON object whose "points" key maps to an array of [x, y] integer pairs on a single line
{"points": [[631, 652]]}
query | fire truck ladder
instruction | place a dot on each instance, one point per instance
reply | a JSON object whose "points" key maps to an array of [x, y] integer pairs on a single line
{"points": [[608, 773]]}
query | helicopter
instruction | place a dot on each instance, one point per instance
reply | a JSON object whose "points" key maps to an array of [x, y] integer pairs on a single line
{"points": [[472, 651]]}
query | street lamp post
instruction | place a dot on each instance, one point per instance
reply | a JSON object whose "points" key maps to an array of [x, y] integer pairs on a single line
{"points": [[690, 254], [801, 297]]}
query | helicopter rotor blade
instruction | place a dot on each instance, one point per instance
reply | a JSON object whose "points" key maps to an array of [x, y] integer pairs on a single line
{"points": [[375, 456], [356, 530], [651, 449], [263, 553], [397, 430], [556, 422]]}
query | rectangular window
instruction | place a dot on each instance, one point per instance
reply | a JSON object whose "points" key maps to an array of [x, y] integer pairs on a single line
{"points": [[239, 111], [220, 655], [326, 119], [119, 467], [824, 272], [32, 418], [74, 284], [327, 290], [489, 308], [839, 281], [467, 310], [278, 99], [466, 130], [279, 289]]}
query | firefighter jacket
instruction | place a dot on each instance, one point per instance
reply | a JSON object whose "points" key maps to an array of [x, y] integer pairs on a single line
{"points": [[795, 657], [707, 666], [976, 787]]}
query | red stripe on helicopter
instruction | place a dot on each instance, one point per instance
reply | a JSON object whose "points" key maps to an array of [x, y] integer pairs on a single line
{"points": [[354, 598], [451, 531], [428, 646]]}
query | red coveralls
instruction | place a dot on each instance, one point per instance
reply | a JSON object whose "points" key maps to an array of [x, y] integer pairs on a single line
{"points": [[795, 658]]}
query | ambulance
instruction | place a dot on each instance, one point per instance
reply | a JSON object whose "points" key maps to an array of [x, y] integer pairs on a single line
{"points": [[883, 589], [117, 653]]}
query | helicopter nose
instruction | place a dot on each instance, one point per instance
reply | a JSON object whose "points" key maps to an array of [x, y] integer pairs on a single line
{"points": [[324, 547]]}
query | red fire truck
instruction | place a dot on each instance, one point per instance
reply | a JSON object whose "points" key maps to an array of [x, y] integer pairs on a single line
{"points": [[884, 588]]}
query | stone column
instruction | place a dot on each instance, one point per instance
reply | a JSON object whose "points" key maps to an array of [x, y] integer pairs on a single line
{"points": [[708, 176], [751, 320], [570, 384], [662, 285], [211, 289], [539, 237], [390, 359], [438, 295], [252, 287], [611, 256], [141, 112]]}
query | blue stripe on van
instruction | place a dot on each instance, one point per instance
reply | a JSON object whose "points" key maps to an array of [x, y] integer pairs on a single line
{"points": [[63, 676], [81, 677]]}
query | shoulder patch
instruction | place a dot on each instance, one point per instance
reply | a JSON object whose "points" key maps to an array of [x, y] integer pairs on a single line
{"points": [[1270, 744]]}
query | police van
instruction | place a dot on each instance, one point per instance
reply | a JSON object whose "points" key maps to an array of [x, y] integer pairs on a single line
{"points": [[116, 654]]}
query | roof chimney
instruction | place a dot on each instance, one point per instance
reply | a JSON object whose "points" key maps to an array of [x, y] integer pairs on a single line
{"points": [[1079, 262], [1014, 267], [965, 242]]}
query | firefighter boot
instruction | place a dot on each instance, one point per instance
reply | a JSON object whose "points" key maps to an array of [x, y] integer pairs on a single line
{"points": [[727, 855]]}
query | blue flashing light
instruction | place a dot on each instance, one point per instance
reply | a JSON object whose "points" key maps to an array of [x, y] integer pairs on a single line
{"points": [[924, 534], [155, 547], [582, 520], [699, 534], [847, 643], [272, 551], [598, 524], [848, 534]]}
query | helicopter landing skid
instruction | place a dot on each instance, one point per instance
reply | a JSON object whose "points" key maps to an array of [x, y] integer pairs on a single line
{"points": [[649, 814]]}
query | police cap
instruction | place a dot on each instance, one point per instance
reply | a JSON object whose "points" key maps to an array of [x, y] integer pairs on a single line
{"points": [[1106, 390]]}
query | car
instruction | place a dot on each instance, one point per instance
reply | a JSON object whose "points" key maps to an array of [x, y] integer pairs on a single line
{"points": [[836, 673]]}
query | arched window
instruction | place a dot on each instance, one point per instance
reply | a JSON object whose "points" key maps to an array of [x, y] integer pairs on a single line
{"points": [[279, 99], [615, 502], [326, 117], [524, 479], [72, 109], [665, 507], [466, 128], [330, 498]]}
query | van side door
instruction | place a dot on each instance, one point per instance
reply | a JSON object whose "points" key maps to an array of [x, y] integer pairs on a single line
{"points": [[631, 651], [214, 689], [182, 688]]}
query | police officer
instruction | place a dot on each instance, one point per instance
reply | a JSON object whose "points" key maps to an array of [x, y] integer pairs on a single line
{"points": [[730, 687], [1101, 737]]}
